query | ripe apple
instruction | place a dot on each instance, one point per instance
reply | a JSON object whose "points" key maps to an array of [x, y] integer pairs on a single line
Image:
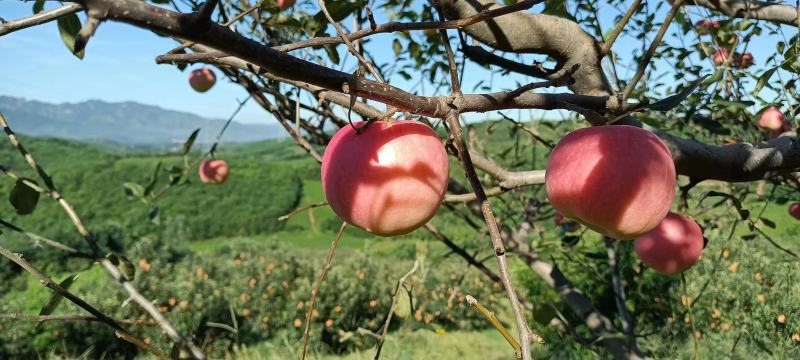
{"points": [[771, 119], [794, 210], [673, 246], [214, 171], [285, 4], [721, 56], [389, 179], [618, 180], [202, 79], [746, 60], [705, 27]]}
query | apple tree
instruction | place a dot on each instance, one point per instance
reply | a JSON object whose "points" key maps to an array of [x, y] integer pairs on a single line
{"points": [[675, 143]]}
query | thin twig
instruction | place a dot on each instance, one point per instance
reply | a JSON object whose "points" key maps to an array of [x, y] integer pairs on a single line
{"points": [[457, 135], [353, 50], [496, 323], [301, 209], [315, 290], [48, 283], [110, 267], [41, 239], [606, 47], [7, 27], [391, 308], [70, 317], [619, 292], [651, 51], [483, 15]]}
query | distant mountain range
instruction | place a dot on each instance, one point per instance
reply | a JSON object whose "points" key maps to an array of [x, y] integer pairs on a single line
{"points": [[129, 124]]}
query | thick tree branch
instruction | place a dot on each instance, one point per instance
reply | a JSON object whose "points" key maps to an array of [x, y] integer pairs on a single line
{"points": [[752, 9], [520, 32]]}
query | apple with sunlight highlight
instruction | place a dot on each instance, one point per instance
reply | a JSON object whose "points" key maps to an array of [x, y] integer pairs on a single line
{"points": [[388, 179], [673, 246], [214, 171], [284, 4], [794, 210], [618, 180], [202, 79], [771, 119]]}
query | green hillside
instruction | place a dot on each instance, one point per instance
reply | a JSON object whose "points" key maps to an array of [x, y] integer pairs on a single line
{"points": [[263, 185]]}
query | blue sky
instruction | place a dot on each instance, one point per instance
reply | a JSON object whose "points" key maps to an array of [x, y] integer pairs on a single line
{"points": [[119, 66]]}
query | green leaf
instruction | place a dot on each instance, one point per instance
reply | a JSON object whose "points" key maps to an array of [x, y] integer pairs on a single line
{"points": [[716, 77], [557, 8], [68, 27], [55, 298], [133, 189], [763, 80], [124, 265], [543, 314], [23, 198], [769, 223], [743, 213], [187, 145], [397, 47], [671, 102], [333, 55], [153, 215], [38, 6], [153, 180]]}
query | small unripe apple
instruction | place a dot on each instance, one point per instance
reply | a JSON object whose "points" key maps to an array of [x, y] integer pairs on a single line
{"points": [[618, 180], [389, 179], [285, 4], [771, 119], [794, 210], [673, 246], [214, 171], [705, 27], [747, 60], [202, 79]]}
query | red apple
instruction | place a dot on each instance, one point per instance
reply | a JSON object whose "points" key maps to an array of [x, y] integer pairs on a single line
{"points": [[673, 246], [721, 56], [794, 210], [771, 119], [747, 60], [214, 171], [618, 180], [284, 4], [202, 79], [705, 27], [389, 179]]}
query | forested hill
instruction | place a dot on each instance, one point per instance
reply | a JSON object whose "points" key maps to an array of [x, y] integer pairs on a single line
{"points": [[265, 182], [129, 124]]}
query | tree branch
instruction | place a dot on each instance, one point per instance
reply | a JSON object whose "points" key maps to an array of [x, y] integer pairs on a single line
{"points": [[48, 283], [84, 232], [7, 27], [752, 9]]}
